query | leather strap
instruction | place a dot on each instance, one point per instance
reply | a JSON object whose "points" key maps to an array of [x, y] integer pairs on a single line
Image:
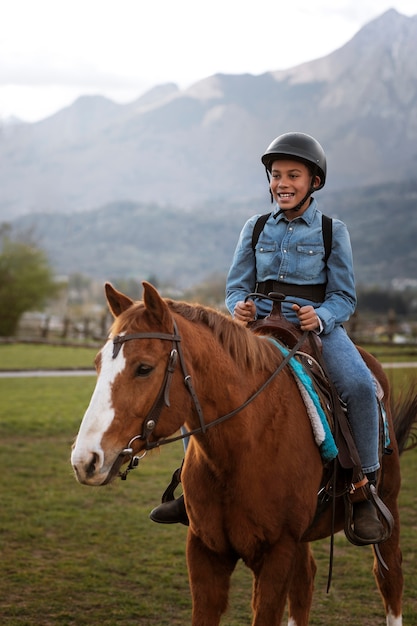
{"points": [[315, 293], [359, 484]]}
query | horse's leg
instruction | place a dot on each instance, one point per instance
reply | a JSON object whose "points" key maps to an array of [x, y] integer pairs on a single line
{"points": [[300, 594], [390, 582], [209, 574], [272, 581]]}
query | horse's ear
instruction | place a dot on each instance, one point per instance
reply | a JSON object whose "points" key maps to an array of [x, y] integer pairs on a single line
{"points": [[154, 303], [116, 300]]}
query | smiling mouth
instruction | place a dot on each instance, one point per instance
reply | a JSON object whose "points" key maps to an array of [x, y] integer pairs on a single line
{"points": [[286, 196]]}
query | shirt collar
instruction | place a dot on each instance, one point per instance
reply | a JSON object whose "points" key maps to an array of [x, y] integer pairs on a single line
{"points": [[307, 216]]}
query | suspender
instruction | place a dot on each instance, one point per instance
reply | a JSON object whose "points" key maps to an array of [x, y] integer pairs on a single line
{"points": [[258, 228], [326, 225], [327, 228]]}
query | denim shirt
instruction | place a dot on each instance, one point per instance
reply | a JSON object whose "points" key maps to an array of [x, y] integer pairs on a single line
{"points": [[293, 252]]}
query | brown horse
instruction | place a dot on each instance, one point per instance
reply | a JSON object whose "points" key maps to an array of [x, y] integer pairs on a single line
{"points": [[250, 480]]}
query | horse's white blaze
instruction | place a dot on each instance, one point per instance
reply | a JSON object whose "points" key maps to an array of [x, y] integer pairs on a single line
{"points": [[100, 412], [394, 621]]}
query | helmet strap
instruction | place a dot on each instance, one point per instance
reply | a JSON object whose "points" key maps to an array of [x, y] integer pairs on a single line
{"points": [[269, 185], [304, 200]]}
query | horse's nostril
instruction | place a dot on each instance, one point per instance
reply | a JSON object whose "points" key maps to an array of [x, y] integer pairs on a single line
{"points": [[91, 468]]}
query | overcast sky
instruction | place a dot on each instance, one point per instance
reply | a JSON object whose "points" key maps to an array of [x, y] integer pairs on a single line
{"points": [[52, 51]]}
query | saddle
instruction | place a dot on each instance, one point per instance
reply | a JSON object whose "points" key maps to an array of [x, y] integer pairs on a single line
{"points": [[343, 476]]}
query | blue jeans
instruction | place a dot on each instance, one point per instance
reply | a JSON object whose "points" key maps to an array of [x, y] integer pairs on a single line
{"points": [[186, 439], [355, 386]]}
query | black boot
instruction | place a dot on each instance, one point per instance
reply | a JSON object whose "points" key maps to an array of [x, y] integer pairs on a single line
{"points": [[366, 523], [171, 512]]}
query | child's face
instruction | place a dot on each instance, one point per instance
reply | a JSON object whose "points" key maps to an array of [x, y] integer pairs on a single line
{"points": [[290, 181]]}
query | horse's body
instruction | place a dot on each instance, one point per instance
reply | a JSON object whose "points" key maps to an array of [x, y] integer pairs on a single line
{"points": [[250, 483]]}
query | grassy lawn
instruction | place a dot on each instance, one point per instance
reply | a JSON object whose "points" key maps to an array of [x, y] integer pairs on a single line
{"points": [[21, 356], [393, 352], [17, 356], [75, 556]]}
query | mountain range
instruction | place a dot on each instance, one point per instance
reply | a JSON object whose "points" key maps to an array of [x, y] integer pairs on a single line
{"points": [[182, 249], [164, 183]]}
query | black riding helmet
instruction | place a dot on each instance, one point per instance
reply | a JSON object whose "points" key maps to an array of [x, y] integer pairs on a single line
{"points": [[301, 147]]}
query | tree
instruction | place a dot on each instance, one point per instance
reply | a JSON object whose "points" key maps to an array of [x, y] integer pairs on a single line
{"points": [[26, 279]]}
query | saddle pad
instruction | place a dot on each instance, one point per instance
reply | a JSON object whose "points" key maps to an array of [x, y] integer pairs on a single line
{"points": [[320, 426]]}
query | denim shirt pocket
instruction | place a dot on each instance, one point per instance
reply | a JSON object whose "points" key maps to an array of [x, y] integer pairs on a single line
{"points": [[266, 257], [309, 261]]}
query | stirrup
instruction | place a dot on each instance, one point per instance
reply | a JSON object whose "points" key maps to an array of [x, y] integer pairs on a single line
{"points": [[168, 494], [171, 510], [387, 519]]}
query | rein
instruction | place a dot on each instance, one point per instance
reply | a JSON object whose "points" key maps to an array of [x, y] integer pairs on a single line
{"points": [[162, 398]]}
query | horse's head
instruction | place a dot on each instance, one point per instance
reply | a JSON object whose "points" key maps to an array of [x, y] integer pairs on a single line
{"points": [[134, 371]]}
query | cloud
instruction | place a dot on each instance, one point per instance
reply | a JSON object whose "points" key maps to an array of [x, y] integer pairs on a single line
{"points": [[122, 47]]}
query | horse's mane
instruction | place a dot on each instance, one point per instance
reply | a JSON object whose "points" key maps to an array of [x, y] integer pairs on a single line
{"points": [[243, 346]]}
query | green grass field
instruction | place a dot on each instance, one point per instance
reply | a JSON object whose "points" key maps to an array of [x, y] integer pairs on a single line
{"points": [[75, 555], [21, 356]]}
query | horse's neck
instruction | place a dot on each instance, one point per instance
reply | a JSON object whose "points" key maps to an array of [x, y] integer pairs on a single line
{"points": [[226, 391], [226, 374]]}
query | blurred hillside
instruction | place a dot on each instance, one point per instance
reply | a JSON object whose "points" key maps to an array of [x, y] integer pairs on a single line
{"points": [[162, 186]]}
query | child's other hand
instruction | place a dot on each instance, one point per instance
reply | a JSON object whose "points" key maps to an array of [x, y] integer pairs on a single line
{"points": [[307, 316]]}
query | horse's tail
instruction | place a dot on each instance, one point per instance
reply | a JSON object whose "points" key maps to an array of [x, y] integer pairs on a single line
{"points": [[404, 415]]}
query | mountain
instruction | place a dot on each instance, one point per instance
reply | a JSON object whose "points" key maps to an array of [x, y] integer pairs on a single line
{"points": [[162, 186], [143, 240], [185, 148]]}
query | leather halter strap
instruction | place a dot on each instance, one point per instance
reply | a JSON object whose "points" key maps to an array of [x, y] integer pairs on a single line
{"points": [[119, 340], [162, 398]]}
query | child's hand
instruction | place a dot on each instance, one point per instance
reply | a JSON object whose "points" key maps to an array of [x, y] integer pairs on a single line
{"points": [[245, 311], [308, 317]]}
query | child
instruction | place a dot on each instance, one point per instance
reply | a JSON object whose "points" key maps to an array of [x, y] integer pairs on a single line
{"points": [[289, 257]]}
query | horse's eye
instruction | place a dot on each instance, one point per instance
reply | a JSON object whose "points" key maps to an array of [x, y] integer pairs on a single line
{"points": [[143, 370]]}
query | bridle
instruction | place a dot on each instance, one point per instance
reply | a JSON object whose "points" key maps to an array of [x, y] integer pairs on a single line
{"points": [[162, 398]]}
